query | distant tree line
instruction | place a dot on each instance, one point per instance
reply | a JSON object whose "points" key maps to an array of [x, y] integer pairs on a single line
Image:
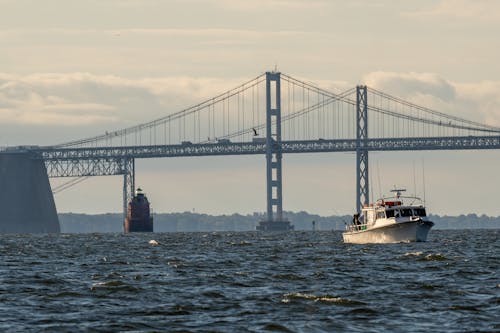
{"points": [[187, 221]]}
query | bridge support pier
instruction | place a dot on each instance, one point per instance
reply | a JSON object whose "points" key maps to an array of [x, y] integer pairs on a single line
{"points": [[26, 200], [128, 184], [362, 180], [274, 220]]}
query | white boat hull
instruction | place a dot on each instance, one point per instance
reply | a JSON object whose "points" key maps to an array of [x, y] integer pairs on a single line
{"points": [[411, 231]]}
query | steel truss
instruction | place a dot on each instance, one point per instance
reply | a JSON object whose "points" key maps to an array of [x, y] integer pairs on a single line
{"points": [[362, 179], [128, 183], [106, 161], [273, 148], [79, 162]]}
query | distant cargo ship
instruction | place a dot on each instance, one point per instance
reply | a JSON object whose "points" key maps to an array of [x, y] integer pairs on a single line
{"points": [[139, 217]]}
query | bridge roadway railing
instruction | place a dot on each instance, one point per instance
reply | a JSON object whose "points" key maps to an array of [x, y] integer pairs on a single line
{"points": [[78, 162]]}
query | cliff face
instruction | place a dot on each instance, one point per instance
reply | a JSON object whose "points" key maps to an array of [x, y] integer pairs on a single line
{"points": [[26, 200]]}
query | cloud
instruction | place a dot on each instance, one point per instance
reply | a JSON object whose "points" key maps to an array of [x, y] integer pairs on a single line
{"points": [[259, 5], [77, 99], [94, 103], [479, 101], [403, 84], [208, 32], [477, 10], [45, 99], [125, 34]]}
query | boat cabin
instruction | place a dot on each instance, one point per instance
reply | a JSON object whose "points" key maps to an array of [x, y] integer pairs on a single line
{"points": [[404, 212], [388, 212], [390, 209]]}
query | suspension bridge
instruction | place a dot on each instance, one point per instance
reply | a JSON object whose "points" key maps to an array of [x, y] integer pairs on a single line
{"points": [[272, 114]]}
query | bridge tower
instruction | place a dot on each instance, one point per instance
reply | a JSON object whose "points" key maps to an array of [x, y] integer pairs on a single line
{"points": [[274, 220], [362, 180]]}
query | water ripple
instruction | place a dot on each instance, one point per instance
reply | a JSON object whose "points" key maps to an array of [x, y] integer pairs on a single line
{"points": [[248, 282]]}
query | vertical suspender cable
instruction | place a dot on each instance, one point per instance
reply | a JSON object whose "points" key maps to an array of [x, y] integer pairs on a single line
{"points": [[223, 117], [253, 107], [213, 120], [242, 127], [238, 113]]}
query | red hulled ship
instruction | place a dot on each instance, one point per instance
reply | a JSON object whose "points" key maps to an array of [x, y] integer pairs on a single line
{"points": [[138, 218]]}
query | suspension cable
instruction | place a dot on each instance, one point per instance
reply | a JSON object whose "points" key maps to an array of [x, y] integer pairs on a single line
{"points": [[58, 189]]}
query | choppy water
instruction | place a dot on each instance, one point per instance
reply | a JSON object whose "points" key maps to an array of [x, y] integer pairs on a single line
{"points": [[249, 282]]}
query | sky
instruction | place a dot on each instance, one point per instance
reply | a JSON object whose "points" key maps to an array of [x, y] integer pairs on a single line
{"points": [[72, 69]]}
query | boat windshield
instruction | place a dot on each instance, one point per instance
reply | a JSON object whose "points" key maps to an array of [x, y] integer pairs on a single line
{"points": [[420, 212], [405, 212]]}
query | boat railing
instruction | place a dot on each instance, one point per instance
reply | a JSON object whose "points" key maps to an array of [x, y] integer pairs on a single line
{"points": [[414, 200], [356, 227]]}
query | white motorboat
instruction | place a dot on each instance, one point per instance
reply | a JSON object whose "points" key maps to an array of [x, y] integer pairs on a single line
{"points": [[389, 220]]}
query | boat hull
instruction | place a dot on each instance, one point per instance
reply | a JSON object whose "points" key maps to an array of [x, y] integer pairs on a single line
{"points": [[412, 231]]}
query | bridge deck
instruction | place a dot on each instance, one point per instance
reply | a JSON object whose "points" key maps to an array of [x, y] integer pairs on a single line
{"points": [[101, 161]]}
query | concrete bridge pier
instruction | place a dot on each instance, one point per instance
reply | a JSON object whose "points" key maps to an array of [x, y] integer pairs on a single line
{"points": [[26, 201]]}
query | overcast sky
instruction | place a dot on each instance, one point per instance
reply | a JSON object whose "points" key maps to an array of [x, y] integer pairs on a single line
{"points": [[72, 69]]}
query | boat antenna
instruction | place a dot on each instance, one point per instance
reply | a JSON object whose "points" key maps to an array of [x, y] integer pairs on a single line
{"points": [[423, 178], [414, 181], [398, 191], [371, 186], [379, 186]]}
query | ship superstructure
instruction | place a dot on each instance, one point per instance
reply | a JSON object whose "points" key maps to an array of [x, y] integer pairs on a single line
{"points": [[389, 220]]}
